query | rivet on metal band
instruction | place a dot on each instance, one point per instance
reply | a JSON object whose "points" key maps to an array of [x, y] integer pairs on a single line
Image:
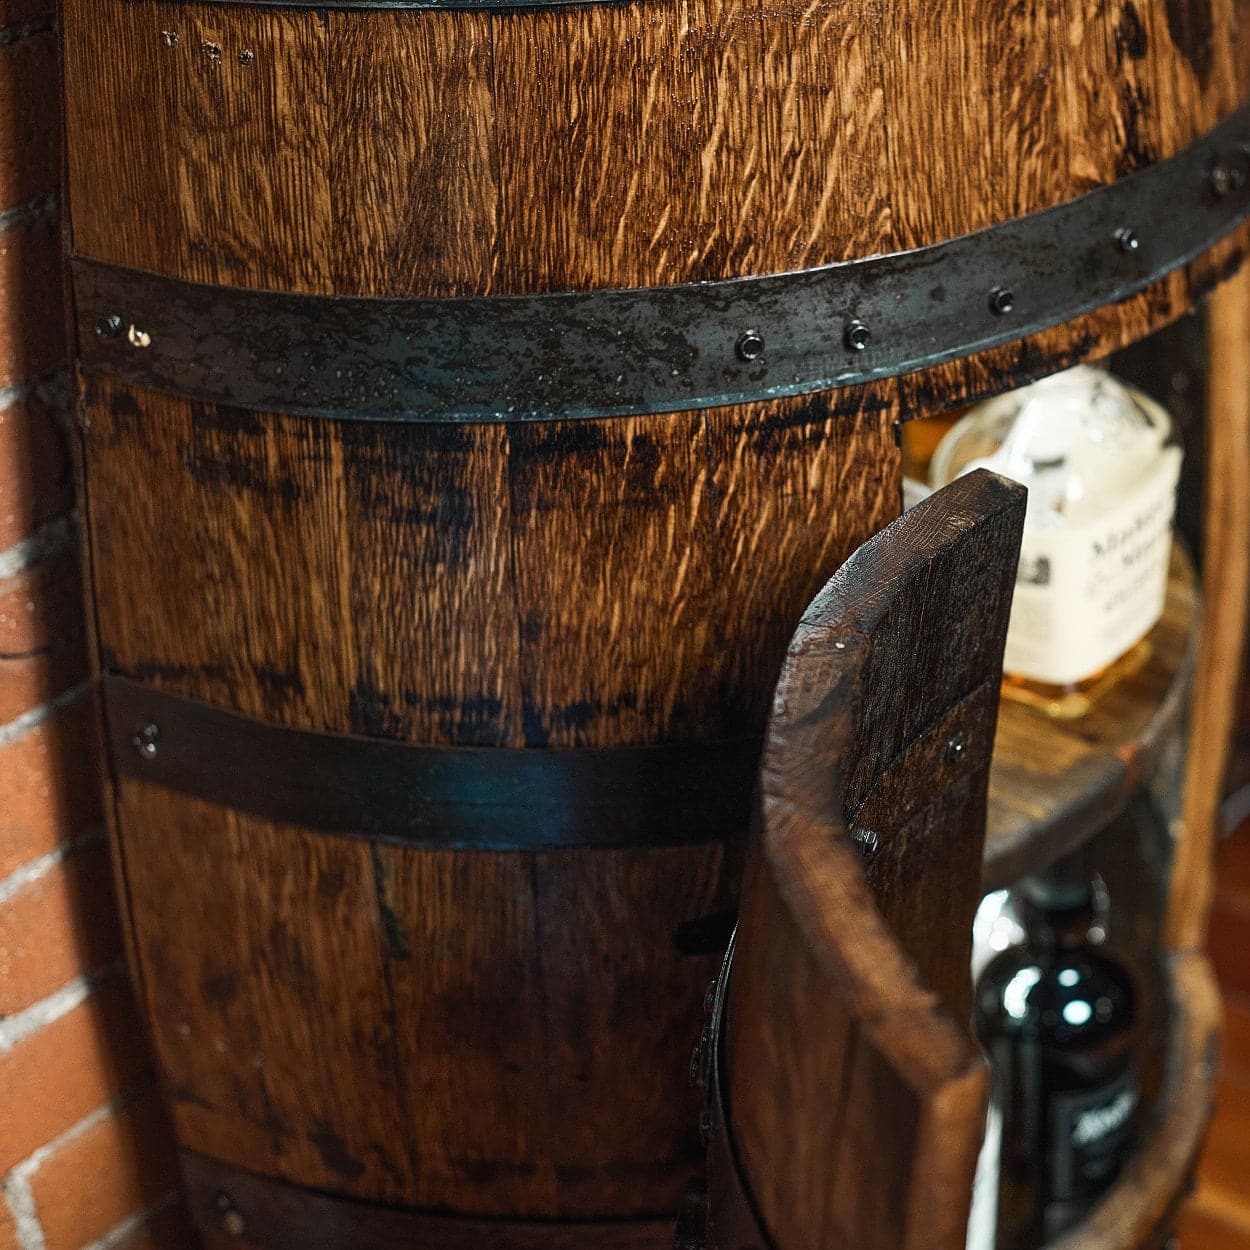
{"points": [[661, 349], [483, 798]]}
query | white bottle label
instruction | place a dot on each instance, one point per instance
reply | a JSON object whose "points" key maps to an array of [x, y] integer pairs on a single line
{"points": [[983, 1217], [1086, 593]]}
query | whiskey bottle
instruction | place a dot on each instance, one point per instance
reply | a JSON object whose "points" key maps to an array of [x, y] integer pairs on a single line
{"points": [[1056, 1017], [1101, 463]]}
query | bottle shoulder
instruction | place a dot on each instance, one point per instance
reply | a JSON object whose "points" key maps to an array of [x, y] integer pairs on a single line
{"points": [[1072, 996]]}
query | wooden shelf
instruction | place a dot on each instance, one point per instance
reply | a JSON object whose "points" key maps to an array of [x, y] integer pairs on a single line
{"points": [[1137, 1212], [1054, 783]]}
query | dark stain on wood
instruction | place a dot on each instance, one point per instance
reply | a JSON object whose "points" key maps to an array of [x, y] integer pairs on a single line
{"points": [[279, 682], [334, 1153], [152, 670], [396, 937], [487, 1172], [1137, 151], [1130, 35], [221, 989], [239, 471], [373, 713], [226, 420], [1207, 276], [286, 955], [1191, 24], [124, 404]]}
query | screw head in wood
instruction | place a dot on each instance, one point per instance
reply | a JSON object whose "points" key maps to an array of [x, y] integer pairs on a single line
{"points": [[231, 1219], [247, 57], [956, 749], [109, 326], [147, 740], [856, 336], [1126, 239], [1001, 301], [867, 840], [750, 345]]}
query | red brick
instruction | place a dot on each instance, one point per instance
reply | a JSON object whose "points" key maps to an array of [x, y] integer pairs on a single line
{"points": [[29, 116], [42, 644], [60, 925], [36, 478], [170, 1230], [68, 1069], [40, 607], [94, 1182], [32, 329], [50, 786], [8, 1230]]}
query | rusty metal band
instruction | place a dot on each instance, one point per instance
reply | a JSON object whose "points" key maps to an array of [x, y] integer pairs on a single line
{"points": [[659, 349], [232, 1207], [483, 798]]}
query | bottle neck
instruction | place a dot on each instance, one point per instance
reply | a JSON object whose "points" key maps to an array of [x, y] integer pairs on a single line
{"points": [[1058, 927], [1059, 907]]}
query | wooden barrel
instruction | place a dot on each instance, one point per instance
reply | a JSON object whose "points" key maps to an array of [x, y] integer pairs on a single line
{"points": [[471, 399]]}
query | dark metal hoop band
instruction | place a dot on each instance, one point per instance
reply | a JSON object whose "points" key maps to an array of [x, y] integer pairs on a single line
{"points": [[731, 1216], [485, 798], [231, 1206], [659, 349]]}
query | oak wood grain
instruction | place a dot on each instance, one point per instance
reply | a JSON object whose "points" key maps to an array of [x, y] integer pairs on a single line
{"points": [[411, 146], [453, 584], [855, 1094], [502, 1035], [770, 466], [308, 1085], [1226, 589], [486, 586], [620, 500], [607, 145], [438, 1029]]}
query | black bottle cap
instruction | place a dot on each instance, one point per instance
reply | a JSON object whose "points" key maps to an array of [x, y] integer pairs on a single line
{"points": [[1064, 886]]}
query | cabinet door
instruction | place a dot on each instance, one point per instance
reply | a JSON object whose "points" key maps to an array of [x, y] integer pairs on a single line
{"points": [[846, 1097]]}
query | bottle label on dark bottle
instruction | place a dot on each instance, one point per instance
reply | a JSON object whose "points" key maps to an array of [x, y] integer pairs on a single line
{"points": [[1090, 1131]]}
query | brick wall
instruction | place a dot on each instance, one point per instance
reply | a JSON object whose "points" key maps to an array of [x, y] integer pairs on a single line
{"points": [[85, 1153]]}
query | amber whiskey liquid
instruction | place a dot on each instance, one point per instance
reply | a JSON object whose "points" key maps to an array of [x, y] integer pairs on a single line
{"points": [[1101, 466]]}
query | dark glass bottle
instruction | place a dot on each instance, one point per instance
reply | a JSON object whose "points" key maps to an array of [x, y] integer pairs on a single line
{"points": [[1056, 1017]]}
